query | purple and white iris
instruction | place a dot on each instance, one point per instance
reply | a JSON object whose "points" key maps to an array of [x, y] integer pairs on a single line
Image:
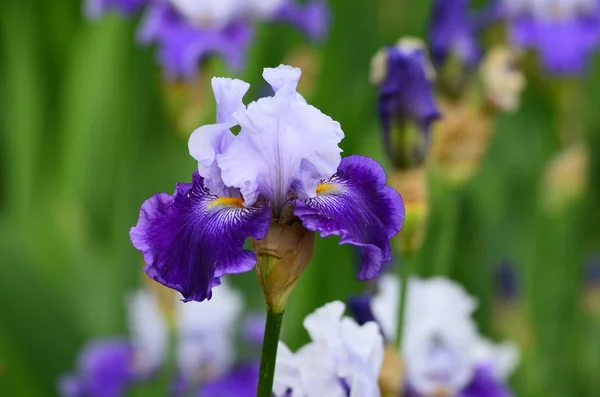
{"points": [[343, 359], [443, 352], [205, 353], [452, 33], [564, 32], [283, 166], [187, 31]]}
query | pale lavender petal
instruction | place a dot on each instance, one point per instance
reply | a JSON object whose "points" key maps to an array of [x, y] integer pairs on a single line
{"points": [[192, 238], [182, 46], [356, 205], [210, 141], [311, 18], [254, 328], [283, 143], [104, 370]]}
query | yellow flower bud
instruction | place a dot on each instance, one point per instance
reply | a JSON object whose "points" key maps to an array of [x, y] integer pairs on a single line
{"points": [[282, 255]]}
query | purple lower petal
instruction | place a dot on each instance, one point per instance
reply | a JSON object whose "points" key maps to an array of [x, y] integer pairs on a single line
{"points": [[182, 46], [192, 238], [104, 370], [356, 205], [564, 46], [312, 18], [484, 384], [239, 382]]}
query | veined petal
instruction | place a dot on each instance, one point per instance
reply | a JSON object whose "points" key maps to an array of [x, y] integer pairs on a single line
{"points": [[283, 143], [192, 238], [356, 205]]}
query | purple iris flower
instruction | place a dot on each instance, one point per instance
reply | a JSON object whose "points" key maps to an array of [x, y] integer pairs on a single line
{"points": [[563, 32], [97, 8], [452, 33], [283, 166], [104, 370], [187, 31], [406, 93], [239, 382]]}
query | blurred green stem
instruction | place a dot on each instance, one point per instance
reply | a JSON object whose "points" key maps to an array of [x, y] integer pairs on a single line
{"points": [[404, 275], [269, 354]]}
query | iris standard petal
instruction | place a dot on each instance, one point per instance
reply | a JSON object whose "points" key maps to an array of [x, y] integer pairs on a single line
{"points": [[283, 143], [452, 32], [181, 45], [104, 370], [209, 141], [192, 238], [356, 205]]}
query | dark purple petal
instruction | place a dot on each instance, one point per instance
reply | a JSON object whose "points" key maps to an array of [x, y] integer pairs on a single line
{"points": [[484, 384], [97, 8], [182, 46], [564, 46], [452, 32], [104, 370], [192, 238], [356, 205], [312, 18], [239, 382], [406, 95]]}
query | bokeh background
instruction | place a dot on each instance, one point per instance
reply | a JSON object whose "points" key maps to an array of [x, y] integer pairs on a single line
{"points": [[88, 130]]}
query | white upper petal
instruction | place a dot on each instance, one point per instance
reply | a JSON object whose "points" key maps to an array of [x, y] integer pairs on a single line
{"points": [[283, 143], [439, 332], [340, 349], [263, 9], [209, 141], [148, 331], [503, 357], [208, 13], [287, 373], [206, 331]]}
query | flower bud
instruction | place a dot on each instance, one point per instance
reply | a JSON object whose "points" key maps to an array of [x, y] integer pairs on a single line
{"points": [[460, 141], [412, 186], [566, 178], [391, 376], [282, 255]]}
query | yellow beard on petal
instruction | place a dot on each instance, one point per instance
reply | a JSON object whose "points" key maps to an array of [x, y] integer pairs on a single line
{"points": [[326, 188], [226, 202]]}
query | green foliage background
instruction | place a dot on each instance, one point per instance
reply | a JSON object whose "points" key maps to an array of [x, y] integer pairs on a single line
{"points": [[85, 138]]}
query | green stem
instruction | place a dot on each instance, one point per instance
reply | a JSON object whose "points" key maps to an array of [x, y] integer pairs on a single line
{"points": [[404, 275], [269, 354]]}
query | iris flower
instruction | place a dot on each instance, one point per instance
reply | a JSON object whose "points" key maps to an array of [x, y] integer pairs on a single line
{"points": [[564, 32], [443, 352], [343, 359], [187, 31], [284, 166]]}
